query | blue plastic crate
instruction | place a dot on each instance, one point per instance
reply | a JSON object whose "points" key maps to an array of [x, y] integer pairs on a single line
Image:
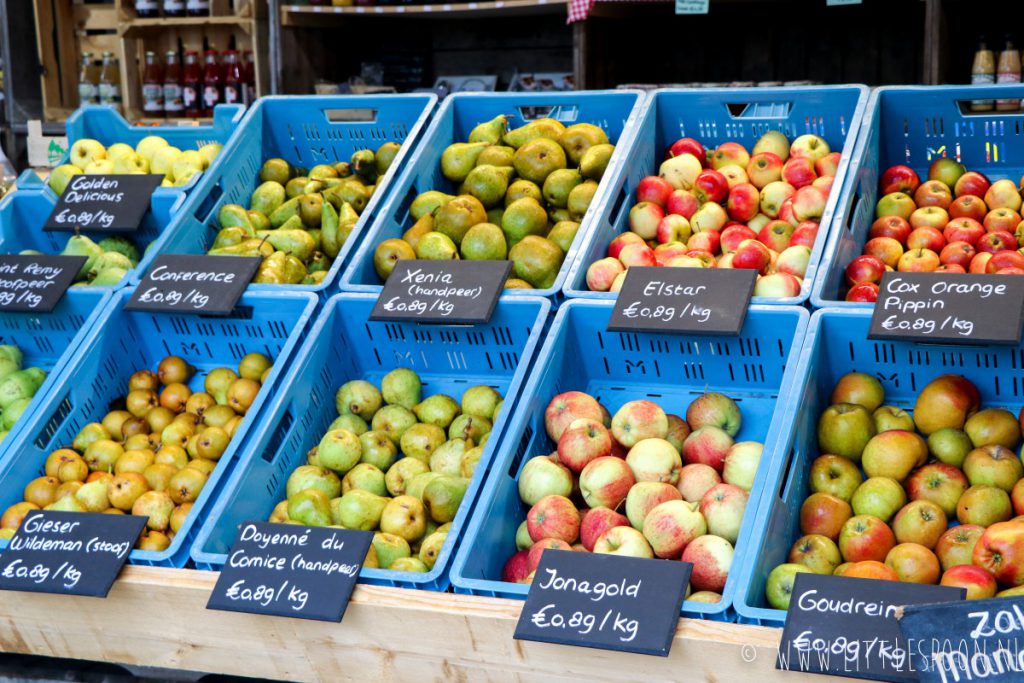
{"points": [[121, 342], [305, 131], [106, 125], [341, 346], [836, 343], [714, 116], [614, 111], [757, 369], [23, 213], [913, 126], [48, 341]]}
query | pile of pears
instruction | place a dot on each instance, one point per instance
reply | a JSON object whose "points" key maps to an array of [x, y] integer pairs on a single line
{"points": [[521, 195], [393, 464], [17, 387], [152, 453], [298, 220], [107, 261]]}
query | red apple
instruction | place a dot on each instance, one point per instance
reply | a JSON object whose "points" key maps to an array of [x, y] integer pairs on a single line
{"points": [[968, 206], [637, 255], [895, 227], [733, 236], [885, 249], [933, 193], [516, 568], [1016, 497], [979, 262], [553, 517], [1001, 220], [722, 508], [1002, 260], [777, 285], [644, 497], [799, 171], [824, 183], [639, 420], [958, 253], [993, 242], [864, 269], [825, 514], [623, 540], [686, 146], [673, 228], [865, 292], [695, 480], [735, 175], [711, 558], [946, 401], [938, 483], [971, 183], [809, 203], [566, 408], [828, 165], [682, 203], [583, 441], [869, 569], [708, 241], [616, 246], [653, 189], [703, 258], [926, 238], [597, 521], [914, 563], [929, 216], [710, 186], [956, 544], [979, 583], [898, 179], [666, 253], [865, 538], [602, 273], [671, 526], [776, 235], [1000, 551], [773, 195], [708, 445], [950, 268], [764, 168], [753, 255], [788, 213], [605, 482], [918, 261], [1003, 194], [730, 153], [744, 202], [533, 555], [794, 260], [963, 230], [804, 235]]}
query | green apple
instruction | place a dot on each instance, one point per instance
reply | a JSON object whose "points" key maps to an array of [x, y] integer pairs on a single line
{"points": [[891, 417], [779, 586], [845, 429], [993, 426], [86, 151], [950, 445], [895, 204], [186, 165], [894, 453], [149, 145], [130, 162], [209, 152], [117, 150], [163, 159], [100, 167], [880, 497], [61, 176], [836, 475]]}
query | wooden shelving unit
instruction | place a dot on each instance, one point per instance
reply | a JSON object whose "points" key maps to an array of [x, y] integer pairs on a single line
{"points": [[157, 617], [307, 15]]}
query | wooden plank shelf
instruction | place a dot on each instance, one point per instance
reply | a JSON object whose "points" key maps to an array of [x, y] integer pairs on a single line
{"points": [[308, 15], [163, 23], [157, 617]]}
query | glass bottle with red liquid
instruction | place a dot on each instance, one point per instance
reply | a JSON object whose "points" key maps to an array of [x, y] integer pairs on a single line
{"points": [[152, 87], [192, 86], [233, 82], [212, 80], [174, 106], [249, 76]]}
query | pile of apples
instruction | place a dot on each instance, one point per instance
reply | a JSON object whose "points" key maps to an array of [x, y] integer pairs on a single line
{"points": [[728, 208], [957, 221], [940, 500], [682, 485]]}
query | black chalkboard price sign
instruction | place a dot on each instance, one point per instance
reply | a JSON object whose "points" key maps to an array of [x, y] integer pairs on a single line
{"points": [[103, 203], [849, 627], [187, 283], [74, 553], [608, 602], [291, 571], [967, 641], [460, 292], [949, 308], [36, 283], [691, 300]]}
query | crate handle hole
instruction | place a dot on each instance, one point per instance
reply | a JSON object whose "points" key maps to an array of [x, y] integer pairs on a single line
{"points": [[789, 474], [204, 212], [759, 110], [566, 113], [353, 115]]}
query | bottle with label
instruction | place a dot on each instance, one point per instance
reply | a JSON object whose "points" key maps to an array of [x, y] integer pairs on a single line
{"points": [[110, 81], [211, 83], [233, 84], [249, 77], [192, 85], [173, 105], [174, 8], [147, 9], [152, 87], [198, 8], [88, 81], [1008, 71], [983, 72]]}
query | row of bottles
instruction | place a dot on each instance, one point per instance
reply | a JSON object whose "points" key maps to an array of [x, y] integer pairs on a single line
{"points": [[153, 9], [175, 90], [99, 82], [986, 71]]}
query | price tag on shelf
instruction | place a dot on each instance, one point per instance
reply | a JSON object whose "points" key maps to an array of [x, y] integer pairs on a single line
{"points": [[848, 627], [458, 292], [285, 570], [103, 203], [36, 283], [186, 283], [692, 300], [608, 602], [692, 6], [72, 553], [966, 641], [949, 308]]}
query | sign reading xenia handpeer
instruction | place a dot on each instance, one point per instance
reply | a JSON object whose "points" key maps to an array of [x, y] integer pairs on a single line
{"points": [[978, 640], [107, 203], [442, 291]]}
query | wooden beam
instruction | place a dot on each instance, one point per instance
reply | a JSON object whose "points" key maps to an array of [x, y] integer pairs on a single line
{"points": [[157, 617]]}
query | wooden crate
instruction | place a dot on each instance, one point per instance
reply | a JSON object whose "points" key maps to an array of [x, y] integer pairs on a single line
{"points": [[158, 617]]}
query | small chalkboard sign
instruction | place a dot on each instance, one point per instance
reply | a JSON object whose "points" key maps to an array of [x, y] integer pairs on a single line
{"points": [[609, 602], [691, 300], [291, 571], [74, 553], [103, 203], [36, 283], [848, 627], [426, 291], [967, 641], [949, 308], [187, 283]]}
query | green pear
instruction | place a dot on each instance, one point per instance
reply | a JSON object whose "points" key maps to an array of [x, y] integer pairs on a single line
{"points": [[389, 252], [536, 260], [294, 242], [537, 159], [595, 161], [80, 245], [358, 397], [312, 477], [378, 450], [283, 212], [470, 459], [267, 197], [366, 477], [13, 412], [385, 156], [491, 131], [358, 509], [311, 507], [121, 245], [458, 159], [496, 155], [447, 459], [558, 185], [578, 138], [469, 427], [311, 208], [484, 242], [18, 385], [439, 409], [402, 387], [436, 246], [421, 440], [480, 400], [352, 423], [488, 184], [431, 548], [523, 217], [401, 473], [443, 496], [339, 451], [563, 233], [12, 353], [228, 237], [457, 216], [580, 198], [408, 564], [393, 420], [428, 202], [389, 548], [93, 495], [541, 128], [414, 487]]}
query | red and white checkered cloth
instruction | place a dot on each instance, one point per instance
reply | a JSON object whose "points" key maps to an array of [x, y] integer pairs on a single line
{"points": [[579, 10]]}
